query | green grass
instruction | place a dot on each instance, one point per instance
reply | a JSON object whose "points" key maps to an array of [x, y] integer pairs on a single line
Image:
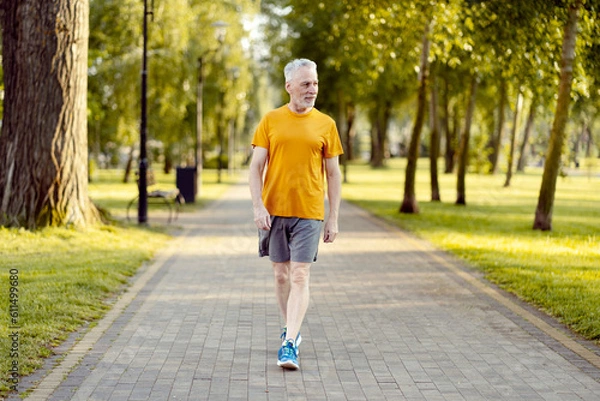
{"points": [[558, 271], [70, 277]]}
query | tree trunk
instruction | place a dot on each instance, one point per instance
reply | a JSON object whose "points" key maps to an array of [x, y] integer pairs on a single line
{"points": [[350, 128], [43, 145], [347, 138], [434, 152], [409, 204], [589, 140], [220, 137], [526, 133], [579, 143], [373, 132], [382, 132], [198, 148], [450, 134], [513, 140], [496, 139], [168, 165], [543, 212], [128, 166], [95, 156], [231, 128], [379, 133], [341, 121], [463, 155]]}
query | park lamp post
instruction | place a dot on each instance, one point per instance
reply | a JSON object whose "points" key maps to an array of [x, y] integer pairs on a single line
{"points": [[220, 28], [143, 161], [231, 129]]}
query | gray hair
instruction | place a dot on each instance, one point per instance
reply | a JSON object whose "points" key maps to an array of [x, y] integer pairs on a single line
{"points": [[293, 66]]}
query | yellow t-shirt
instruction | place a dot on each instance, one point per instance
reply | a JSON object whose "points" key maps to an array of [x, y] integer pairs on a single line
{"points": [[297, 145]]}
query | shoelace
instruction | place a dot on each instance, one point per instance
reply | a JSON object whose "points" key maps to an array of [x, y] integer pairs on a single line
{"points": [[289, 350]]}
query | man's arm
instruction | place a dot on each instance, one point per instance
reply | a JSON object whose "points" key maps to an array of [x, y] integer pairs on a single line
{"points": [[334, 193], [257, 168]]}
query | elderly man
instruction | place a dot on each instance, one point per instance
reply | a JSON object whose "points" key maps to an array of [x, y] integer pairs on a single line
{"points": [[298, 146]]}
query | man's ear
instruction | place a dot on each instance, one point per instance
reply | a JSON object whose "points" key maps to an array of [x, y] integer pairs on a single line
{"points": [[287, 87]]}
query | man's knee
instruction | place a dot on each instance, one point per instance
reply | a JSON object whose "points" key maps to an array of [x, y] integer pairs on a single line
{"points": [[281, 272], [300, 273]]}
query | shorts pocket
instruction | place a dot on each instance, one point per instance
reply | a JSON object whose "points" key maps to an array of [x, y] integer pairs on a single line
{"points": [[263, 242]]}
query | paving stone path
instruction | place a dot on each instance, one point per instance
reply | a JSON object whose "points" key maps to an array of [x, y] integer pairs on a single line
{"points": [[391, 318]]}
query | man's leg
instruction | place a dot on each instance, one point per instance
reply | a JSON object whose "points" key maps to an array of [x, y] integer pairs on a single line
{"points": [[297, 302], [281, 272]]}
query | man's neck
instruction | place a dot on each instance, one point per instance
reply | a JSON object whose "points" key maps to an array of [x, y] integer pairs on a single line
{"points": [[299, 111]]}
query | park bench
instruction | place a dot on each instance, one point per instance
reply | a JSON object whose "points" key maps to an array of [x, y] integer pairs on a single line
{"points": [[172, 199]]}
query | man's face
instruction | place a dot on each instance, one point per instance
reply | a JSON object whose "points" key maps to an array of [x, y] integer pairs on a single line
{"points": [[303, 89]]}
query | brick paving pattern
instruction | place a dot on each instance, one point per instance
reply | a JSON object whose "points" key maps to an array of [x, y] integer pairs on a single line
{"points": [[388, 320]]}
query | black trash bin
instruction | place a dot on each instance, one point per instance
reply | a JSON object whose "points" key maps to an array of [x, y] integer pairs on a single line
{"points": [[186, 183]]}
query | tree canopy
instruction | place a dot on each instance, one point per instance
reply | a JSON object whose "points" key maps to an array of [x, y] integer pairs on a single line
{"points": [[491, 55], [369, 55]]}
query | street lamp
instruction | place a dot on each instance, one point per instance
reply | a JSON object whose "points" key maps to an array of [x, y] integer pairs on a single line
{"points": [[220, 28], [235, 74], [143, 162]]}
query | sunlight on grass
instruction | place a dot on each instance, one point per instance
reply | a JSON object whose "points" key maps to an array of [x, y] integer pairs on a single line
{"points": [[559, 271], [68, 278], [65, 277]]}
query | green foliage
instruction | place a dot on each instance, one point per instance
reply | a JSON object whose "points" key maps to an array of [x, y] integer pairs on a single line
{"points": [[114, 74], [179, 32], [368, 51]]}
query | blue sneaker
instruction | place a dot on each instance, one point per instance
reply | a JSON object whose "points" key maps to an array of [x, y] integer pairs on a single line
{"points": [[298, 339], [287, 357]]}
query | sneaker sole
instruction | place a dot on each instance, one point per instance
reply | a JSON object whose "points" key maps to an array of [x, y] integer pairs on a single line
{"points": [[288, 365]]}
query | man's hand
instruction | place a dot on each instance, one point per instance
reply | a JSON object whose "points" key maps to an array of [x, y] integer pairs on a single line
{"points": [[331, 230], [262, 219]]}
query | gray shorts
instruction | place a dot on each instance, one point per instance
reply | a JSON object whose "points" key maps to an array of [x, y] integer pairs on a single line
{"points": [[290, 239]]}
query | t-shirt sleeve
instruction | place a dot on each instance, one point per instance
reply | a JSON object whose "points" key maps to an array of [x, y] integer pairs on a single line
{"points": [[333, 145], [260, 135]]}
